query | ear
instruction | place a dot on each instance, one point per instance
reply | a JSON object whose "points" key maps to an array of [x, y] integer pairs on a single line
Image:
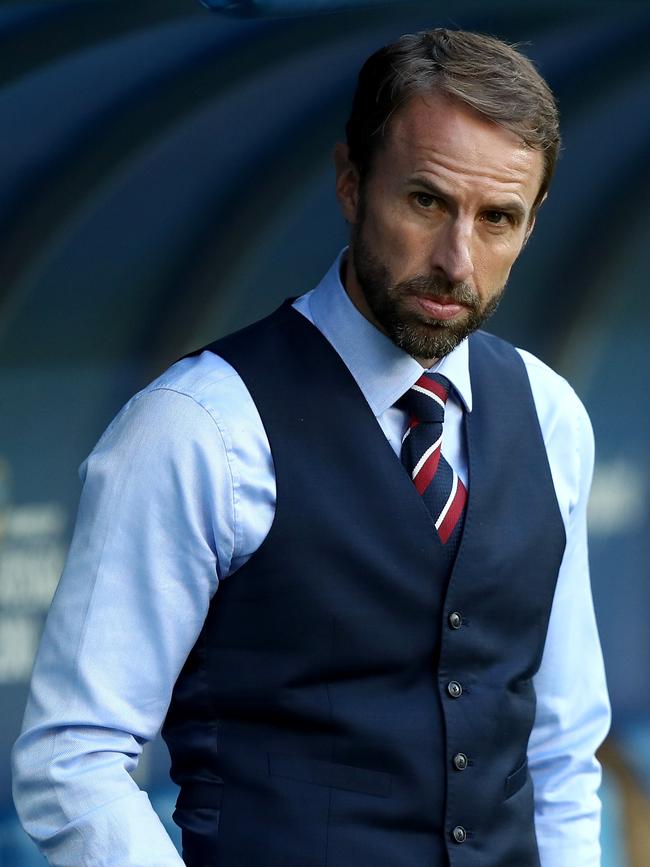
{"points": [[347, 183]]}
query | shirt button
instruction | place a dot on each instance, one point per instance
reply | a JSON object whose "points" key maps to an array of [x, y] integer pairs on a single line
{"points": [[460, 761], [459, 834], [455, 620], [454, 689]]}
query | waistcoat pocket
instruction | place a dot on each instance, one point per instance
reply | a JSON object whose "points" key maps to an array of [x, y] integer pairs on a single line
{"points": [[516, 780], [337, 776]]}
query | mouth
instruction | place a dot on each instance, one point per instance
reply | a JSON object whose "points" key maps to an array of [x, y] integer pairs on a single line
{"points": [[440, 307]]}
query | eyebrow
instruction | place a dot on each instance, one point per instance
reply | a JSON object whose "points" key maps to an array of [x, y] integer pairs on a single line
{"points": [[513, 206]]}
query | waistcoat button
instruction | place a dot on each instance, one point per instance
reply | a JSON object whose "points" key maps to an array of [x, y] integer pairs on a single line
{"points": [[455, 620], [459, 834], [454, 689], [460, 761]]}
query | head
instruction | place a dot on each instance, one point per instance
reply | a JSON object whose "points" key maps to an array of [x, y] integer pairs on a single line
{"points": [[451, 145]]}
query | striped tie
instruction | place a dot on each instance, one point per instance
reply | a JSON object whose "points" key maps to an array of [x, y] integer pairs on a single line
{"points": [[439, 486]]}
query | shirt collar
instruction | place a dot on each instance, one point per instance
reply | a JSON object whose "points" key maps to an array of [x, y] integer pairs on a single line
{"points": [[367, 351]]}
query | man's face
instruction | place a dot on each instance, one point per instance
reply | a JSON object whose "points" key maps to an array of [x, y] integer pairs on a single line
{"points": [[437, 224]]}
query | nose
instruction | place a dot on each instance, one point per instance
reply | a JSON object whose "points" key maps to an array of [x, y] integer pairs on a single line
{"points": [[452, 252]]}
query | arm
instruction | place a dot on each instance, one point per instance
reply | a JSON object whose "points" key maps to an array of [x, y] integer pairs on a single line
{"points": [[573, 714], [143, 565]]}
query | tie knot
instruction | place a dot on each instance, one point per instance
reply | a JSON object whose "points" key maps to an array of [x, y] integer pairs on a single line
{"points": [[425, 400]]}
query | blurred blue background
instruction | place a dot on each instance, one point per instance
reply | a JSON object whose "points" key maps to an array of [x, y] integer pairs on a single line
{"points": [[165, 176]]}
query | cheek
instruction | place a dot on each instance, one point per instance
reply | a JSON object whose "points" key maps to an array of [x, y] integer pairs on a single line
{"points": [[389, 221], [492, 267], [403, 240]]}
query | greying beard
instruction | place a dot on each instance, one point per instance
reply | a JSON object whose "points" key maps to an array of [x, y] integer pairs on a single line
{"points": [[419, 335], [434, 338]]}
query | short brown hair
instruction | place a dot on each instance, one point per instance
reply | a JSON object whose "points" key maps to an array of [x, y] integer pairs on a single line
{"points": [[483, 72]]}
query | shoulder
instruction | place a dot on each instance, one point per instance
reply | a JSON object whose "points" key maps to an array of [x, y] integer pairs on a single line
{"points": [[197, 402], [563, 420], [205, 379], [555, 400], [203, 387], [557, 403], [566, 429]]}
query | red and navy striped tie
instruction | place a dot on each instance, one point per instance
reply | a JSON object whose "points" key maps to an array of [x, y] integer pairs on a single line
{"points": [[438, 484]]}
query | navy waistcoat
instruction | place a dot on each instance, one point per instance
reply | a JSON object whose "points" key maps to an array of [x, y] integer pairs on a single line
{"points": [[349, 702]]}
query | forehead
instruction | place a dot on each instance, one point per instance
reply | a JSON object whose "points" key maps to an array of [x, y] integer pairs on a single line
{"points": [[449, 142]]}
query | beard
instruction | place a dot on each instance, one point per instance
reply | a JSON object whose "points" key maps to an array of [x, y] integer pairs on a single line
{"points": [[420, 335]]}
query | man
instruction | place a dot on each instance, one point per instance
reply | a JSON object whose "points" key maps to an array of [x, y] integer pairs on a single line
{"points": [[399, 668]]}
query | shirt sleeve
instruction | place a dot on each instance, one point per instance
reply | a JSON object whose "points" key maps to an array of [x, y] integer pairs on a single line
{"points": [[144, 563], [573, 713]]}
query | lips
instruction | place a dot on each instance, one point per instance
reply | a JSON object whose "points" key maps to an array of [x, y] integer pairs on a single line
{"points": [[439, 307]]}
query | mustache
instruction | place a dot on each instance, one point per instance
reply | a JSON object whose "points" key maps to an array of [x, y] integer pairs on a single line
{"points": [[434, 286]]}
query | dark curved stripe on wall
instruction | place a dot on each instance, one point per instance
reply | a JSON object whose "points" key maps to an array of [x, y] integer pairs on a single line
{"points": [[250, 8], [161, 188], [289, 8], [36, 35], [108, 133]]}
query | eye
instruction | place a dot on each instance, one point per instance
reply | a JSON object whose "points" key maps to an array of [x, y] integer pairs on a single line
{"points": [[497, 218], [425, 200]]}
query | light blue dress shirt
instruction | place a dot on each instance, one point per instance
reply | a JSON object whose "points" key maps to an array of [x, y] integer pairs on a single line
{"points": [[177, 495]]}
